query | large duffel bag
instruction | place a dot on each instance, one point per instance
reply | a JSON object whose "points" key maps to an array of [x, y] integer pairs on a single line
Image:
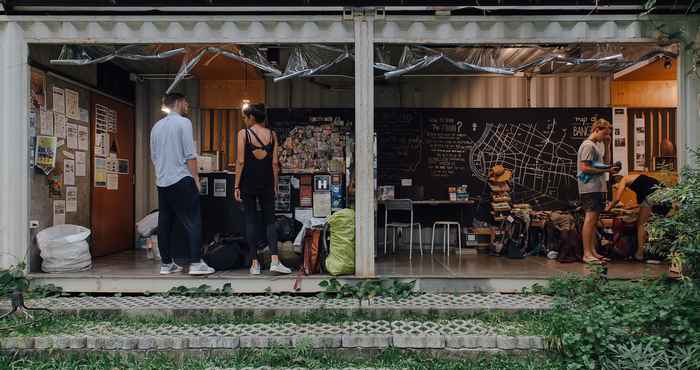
{"points": [[225, 253]]}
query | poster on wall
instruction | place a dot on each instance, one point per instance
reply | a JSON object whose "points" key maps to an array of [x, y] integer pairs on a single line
{"points": [[59, 100], [59, 212], [45, 153], [204, 185], [283, 200], [46, 123], [640, 160], [101, 144], [38, 90], [83, 137], [69, 172], [59, 125], [72, 135], [220, 188], [112, 181], [72, 108], [80, 164], [71, 199], [620, 138], [100, 173]]}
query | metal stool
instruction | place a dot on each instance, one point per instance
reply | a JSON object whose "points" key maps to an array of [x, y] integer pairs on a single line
{"points": [[446, 236], [405, 205]]}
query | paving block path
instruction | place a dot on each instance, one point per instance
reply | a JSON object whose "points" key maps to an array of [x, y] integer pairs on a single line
{"points": [[172, 305]]}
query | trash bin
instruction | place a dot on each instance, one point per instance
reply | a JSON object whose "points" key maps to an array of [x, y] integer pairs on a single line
{"points": [[64, 248]]}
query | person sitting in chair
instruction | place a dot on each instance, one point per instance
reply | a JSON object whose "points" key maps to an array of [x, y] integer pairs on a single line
{"points": [[643, 186]]}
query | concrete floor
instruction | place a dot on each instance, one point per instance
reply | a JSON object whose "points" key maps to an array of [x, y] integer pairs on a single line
{"points": [[135, 264]]}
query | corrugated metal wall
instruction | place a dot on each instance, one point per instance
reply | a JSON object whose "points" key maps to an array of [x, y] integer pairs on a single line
{"points": [[585, 90]]}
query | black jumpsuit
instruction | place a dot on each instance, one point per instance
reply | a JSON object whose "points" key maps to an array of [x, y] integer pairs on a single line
{"points": [[257, 186]]}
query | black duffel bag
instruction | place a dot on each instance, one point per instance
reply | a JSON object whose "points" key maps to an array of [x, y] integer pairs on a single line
{"points": [[287, 228], [225, 253]]}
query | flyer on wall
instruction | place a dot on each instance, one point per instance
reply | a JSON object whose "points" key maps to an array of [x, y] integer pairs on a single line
{"points": [[71, 199], [59, 101], [59, 125], [68, 172], [59, 212], [45, 156], [72, 109], [80, 164]]}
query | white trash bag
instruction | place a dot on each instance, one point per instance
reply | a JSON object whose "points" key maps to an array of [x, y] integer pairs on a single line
{"points": [[64, 248], [147, 225]]}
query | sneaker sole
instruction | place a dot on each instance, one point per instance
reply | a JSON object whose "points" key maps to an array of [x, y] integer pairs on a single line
{"points": [[170, 272], [201, 272]]}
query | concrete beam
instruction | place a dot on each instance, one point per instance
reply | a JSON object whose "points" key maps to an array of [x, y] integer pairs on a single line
{"points": [[364, 146], [14, 146]]}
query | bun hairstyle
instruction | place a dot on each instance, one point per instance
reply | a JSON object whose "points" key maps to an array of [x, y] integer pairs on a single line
{"points": [[257, 111]]}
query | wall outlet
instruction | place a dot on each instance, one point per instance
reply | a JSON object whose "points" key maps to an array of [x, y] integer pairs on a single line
{"points": [[33, 224]]}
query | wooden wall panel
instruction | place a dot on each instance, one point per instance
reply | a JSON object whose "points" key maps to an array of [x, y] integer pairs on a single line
{"points": [[662, 94], [228, 94], [219, 130]]}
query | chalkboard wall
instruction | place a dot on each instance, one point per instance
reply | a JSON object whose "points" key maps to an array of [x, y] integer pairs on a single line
{"points": [[438, 148]]}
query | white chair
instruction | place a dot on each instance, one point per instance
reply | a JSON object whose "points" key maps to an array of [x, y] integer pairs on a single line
{"points": [[446, 236], [401, 205]]}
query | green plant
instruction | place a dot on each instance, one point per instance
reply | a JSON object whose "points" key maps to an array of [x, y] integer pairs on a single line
{"points": [[13, 279], [368, 289], [678, 235], [649, 356], [595, 321], [201, 291]]}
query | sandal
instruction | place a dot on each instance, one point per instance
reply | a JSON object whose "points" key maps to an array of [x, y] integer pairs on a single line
{"points": [[594, 261]]}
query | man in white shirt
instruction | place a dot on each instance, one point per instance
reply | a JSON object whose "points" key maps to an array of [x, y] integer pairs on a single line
{"points": [[175, 159]]}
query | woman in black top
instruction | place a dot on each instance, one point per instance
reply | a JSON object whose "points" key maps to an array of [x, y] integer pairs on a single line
{"points": [[256, 183], [642, 186]]}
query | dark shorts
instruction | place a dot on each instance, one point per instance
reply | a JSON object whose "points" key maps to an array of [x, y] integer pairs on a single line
{"points": [[593, 202]]}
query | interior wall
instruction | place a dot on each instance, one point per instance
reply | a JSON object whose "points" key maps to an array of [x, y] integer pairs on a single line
{"points": [[573, 90], [148, 112], [653, 85], [41, 205]]}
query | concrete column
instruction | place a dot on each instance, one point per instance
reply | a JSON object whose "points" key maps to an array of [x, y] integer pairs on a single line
{"points": [[364, 146], [688, 118], [14, 145]]}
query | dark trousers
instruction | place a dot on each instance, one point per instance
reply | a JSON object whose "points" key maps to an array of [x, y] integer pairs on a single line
{"points": [[180, 202], [253, 220]]}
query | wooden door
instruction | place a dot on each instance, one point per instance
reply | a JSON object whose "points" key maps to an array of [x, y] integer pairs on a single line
{"points": [[112, 125]]}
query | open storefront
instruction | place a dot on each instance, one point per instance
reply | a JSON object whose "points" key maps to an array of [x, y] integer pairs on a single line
{"points": [[440, 120]]}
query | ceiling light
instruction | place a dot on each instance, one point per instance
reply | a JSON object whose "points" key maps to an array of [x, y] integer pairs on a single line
{"points": [[245, 104], [165, 109]]}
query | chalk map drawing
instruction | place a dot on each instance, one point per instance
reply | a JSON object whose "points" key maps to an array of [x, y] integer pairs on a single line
{"points": [[543, 164]]}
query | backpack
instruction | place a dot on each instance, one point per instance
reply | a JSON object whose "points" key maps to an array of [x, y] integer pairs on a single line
{"points": [[225, 253], [313, 252], [516, 237], [624, 243], [570, 246]]}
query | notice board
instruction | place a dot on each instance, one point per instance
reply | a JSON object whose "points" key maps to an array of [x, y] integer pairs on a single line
{"points": [[438, 148]]}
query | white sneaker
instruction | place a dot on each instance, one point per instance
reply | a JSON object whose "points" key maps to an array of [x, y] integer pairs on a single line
{"points": [[200, 268], [169, 268], [255, 270], [280, 268]]}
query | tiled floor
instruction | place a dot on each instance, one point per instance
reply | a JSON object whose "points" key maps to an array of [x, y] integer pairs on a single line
{"points": [[135, 264]]}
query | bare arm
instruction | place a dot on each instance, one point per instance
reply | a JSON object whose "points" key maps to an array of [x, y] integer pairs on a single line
{"points": [[617, 195], [240, 162], [192, 165], [275, 161], [587, 168]]}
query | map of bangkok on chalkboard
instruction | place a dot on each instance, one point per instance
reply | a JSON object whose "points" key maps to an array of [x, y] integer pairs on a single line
{"points": [[437, 148]]}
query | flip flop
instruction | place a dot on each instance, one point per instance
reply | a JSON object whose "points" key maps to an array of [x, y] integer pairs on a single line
{"points": [[594, 261]]}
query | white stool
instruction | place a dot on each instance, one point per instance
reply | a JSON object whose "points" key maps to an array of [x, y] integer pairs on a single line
{"points": [[446, 236]]}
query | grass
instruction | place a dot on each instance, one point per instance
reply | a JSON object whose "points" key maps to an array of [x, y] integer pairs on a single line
{"points": [[525, 323], [394, 359]]}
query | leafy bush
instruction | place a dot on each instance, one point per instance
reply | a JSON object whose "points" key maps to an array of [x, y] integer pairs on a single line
{"points": [[678, 235], [598, 323], [367, 289]]}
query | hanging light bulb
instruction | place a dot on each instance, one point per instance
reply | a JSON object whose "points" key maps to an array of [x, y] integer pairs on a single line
{"points": [[245, 104], [165, 109]]}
